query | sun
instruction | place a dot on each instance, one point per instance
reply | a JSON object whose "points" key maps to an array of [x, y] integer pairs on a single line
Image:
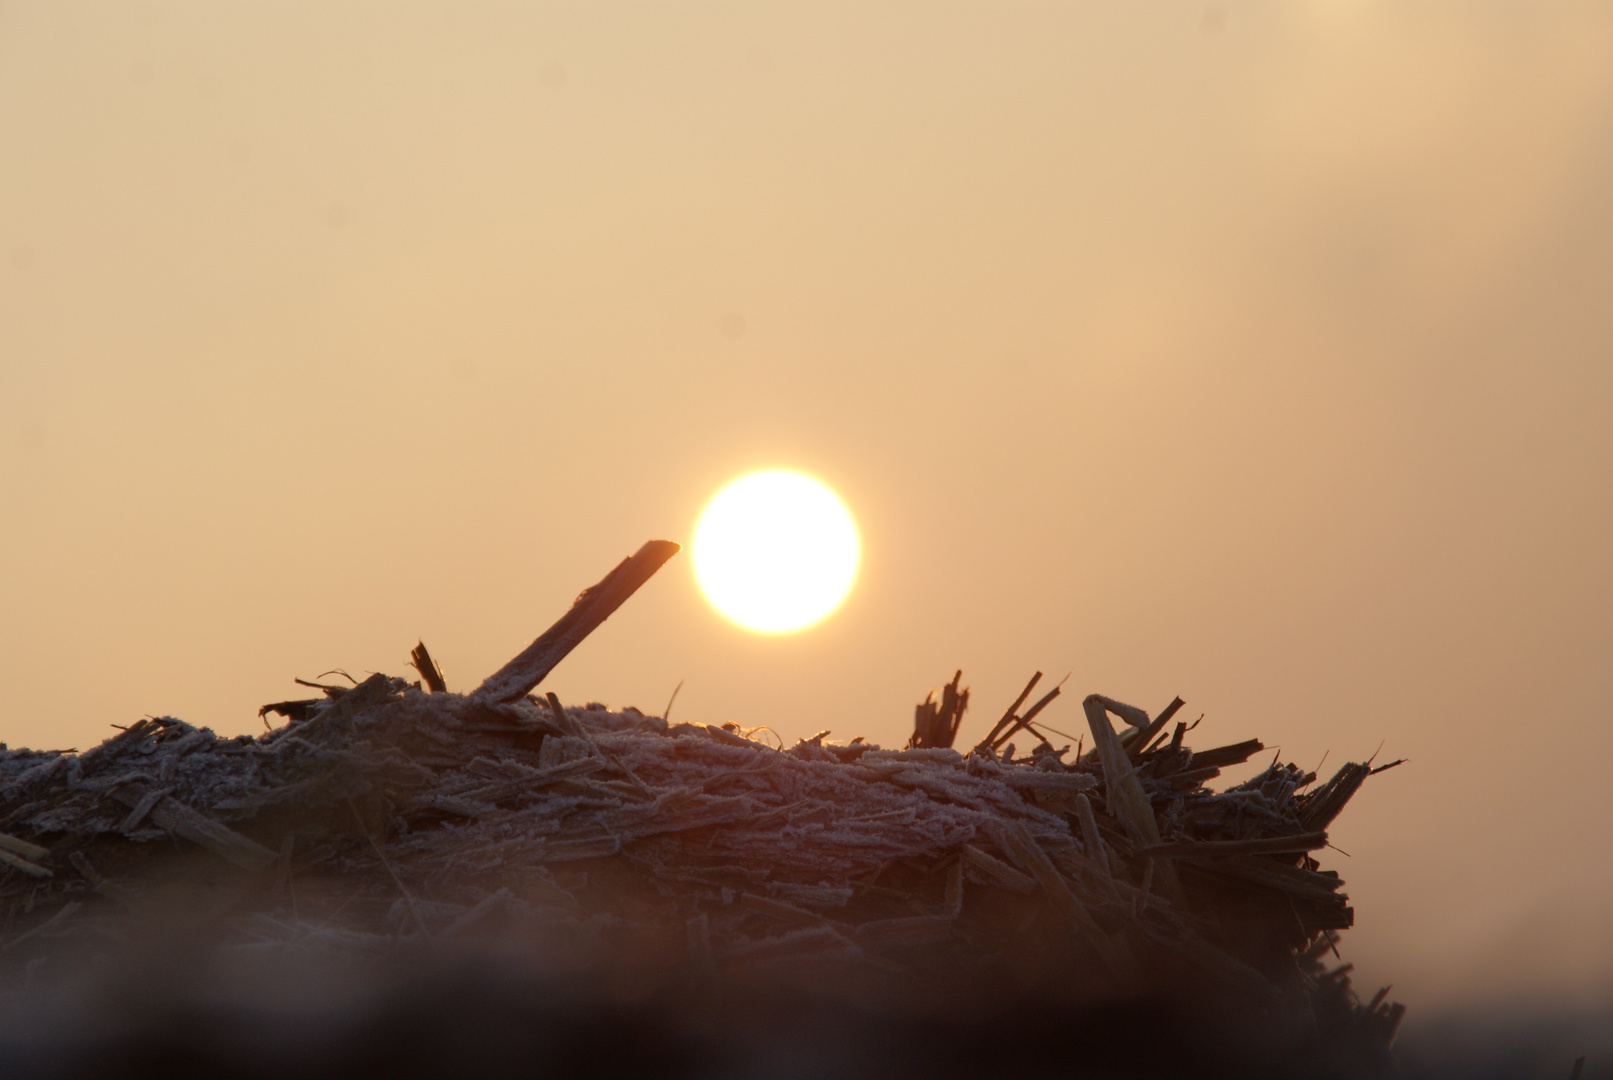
{"points": [[775, 551]]}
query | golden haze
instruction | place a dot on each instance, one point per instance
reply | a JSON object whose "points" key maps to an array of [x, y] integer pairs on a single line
{"points": [[1257, 353]]}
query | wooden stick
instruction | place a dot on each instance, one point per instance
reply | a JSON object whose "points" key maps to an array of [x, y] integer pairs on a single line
{"points": [[923, 720], [150, 799], [953, 703], [1176, 736], [564, 722], [1121, 788], [1090, 834], [516, 679], [1025, 721], [1134, 718], [1236, 754], [1139, 743], [1185, 779], [1122, 791], [561, 719], [1008, 717], [1325, 803], [1284, 879], [198, 828], [422, 662], [19, 863], [23, 848], [997, 869]]}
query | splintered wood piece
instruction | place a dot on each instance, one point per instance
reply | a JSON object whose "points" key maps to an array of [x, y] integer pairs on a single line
{"points": [[17, 862], [1265, 845], [1122, 790], [935, 724], [1017, 841], [1317, 949], [580, 848], [1008, 717], [1324, 805], [1124, 793], [517, 678], [1292, 880], [565, 723], [561, 718], [1089, 833], [924, 714], [1025, 721], [1037, 780], [730, 738], [1139, 744], [996, 870], [23, 848], [1397, 1013], [420, 659], [332, 690], [1182, 781], [141, 809], [1324, 917], [1176, 736], [537, 779], [116, 743], [954, 702], [295, 711], [1236, 754], [198, 828], [375, 690]]}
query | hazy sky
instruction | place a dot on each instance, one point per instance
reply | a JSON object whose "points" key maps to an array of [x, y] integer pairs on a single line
{"points": [[1261, 354]]}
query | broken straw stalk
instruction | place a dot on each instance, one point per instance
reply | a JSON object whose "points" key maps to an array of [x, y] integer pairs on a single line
{"points": [[437, 815]]}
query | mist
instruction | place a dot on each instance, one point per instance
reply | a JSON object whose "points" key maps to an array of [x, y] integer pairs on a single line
{"points": [[1256, 353]]}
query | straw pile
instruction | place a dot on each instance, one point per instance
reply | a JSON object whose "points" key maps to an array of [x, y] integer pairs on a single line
{"points": [[391, 817]]}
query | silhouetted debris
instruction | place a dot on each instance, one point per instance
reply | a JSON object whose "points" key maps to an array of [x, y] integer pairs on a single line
{"points": [[935, 723], [384, 819], [430, 674]]}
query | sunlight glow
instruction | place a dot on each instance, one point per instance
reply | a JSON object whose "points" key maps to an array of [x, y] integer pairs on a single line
{"points": [[775, 551]]}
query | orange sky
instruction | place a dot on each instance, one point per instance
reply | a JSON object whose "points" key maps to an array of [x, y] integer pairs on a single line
{"points": [[1257, 353]]}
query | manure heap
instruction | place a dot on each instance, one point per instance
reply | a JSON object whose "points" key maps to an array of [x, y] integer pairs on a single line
{"points": [[392, 819]]}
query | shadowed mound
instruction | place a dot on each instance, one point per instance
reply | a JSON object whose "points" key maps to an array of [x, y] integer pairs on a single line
{"points": [[578, 872]]}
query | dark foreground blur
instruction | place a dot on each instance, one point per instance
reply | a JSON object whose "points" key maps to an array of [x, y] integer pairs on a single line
{"points": [[177, 1000], [497, 1015], [491, 1020]]}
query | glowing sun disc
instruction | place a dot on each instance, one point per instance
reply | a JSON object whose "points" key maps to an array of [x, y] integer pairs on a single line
{"points": [[775, 551]]}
